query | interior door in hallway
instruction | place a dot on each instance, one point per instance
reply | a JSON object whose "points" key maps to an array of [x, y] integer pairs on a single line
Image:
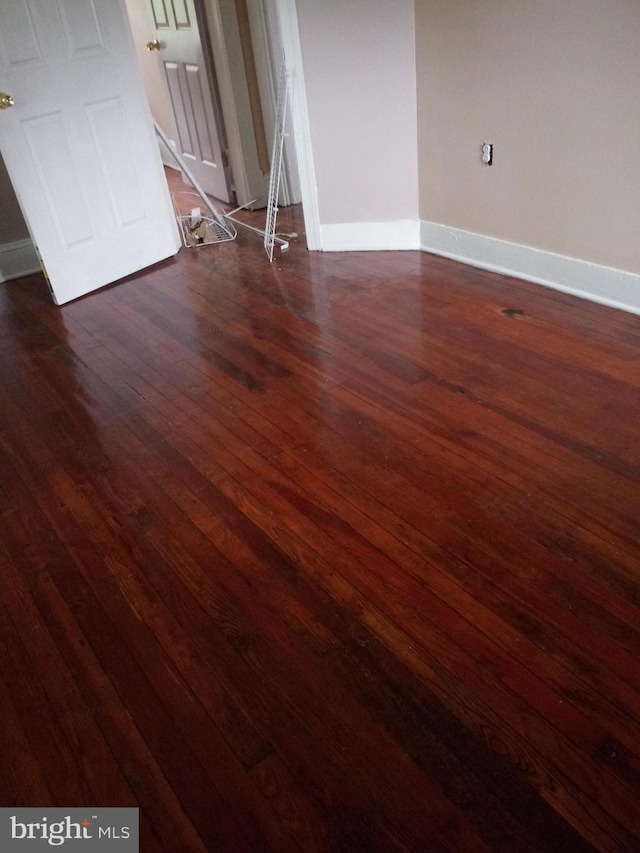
{"points": [[191, 84], [78, 143]]}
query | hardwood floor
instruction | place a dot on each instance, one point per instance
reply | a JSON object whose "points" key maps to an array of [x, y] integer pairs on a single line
{"points": [[337, 554]]}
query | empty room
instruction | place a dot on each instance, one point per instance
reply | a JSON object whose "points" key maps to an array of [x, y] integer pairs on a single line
{"points": [[334, 548]]}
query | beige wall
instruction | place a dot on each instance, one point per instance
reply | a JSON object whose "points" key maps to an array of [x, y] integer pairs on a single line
{"points": [[12, 224], [359, 66], [554, 85]]}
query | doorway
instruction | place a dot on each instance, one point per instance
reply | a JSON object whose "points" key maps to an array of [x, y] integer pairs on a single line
{"points": [[286, 25], [177, 52], [239, 41]]}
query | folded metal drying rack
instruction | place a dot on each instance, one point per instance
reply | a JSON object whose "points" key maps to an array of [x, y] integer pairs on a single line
{"points": [[277, 151], [225, 221]]}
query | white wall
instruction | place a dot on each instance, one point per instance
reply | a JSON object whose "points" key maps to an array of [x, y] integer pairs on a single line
{"points": [[359, 68]]}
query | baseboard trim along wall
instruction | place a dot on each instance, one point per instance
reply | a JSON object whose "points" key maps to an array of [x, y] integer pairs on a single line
{"points": [[370, 236], [18, 259], [606, 285]]}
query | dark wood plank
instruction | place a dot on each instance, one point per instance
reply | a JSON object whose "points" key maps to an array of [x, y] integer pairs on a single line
{"points": [[337, 553]]}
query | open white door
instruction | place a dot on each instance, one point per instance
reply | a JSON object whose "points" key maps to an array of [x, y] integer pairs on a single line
{"points": [[79, 144], [197, 115]]}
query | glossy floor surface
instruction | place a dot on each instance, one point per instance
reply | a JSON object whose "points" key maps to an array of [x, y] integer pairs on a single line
{"points": [[334, 554]]}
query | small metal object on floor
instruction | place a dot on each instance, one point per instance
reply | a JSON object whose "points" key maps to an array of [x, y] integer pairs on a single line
{"points": [[215, 227]]}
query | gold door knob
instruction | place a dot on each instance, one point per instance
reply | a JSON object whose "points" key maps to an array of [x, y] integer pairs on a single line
{"points": [[6, 101], [153, 45]]}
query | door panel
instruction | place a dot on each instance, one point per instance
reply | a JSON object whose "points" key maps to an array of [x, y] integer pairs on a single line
{"points": [[202, 113], [79, 144], [198, 123], [18, 42], [159, 14], [81, 26], [57, 171], [112, 141], [181, 14]]}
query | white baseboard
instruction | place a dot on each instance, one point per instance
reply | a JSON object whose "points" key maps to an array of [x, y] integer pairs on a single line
{"points": [[18, 259], [169, 162], [609, 286], [370, 236], [167, 159]]}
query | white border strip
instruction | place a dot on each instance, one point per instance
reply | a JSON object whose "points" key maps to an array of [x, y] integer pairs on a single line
{"points": [[18, 259], [606, 285], [371, 236]]}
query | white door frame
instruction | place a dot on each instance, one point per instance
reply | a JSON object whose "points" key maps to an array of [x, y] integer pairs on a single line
{"points": [[227, 102], [290, 36], [287, 20]]}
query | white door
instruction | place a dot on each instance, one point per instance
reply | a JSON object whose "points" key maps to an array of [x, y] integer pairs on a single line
{"points": [[79, 144], [196, 112]]}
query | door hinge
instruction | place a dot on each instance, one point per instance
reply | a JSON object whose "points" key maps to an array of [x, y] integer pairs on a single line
{"points": [[225, 158]]}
